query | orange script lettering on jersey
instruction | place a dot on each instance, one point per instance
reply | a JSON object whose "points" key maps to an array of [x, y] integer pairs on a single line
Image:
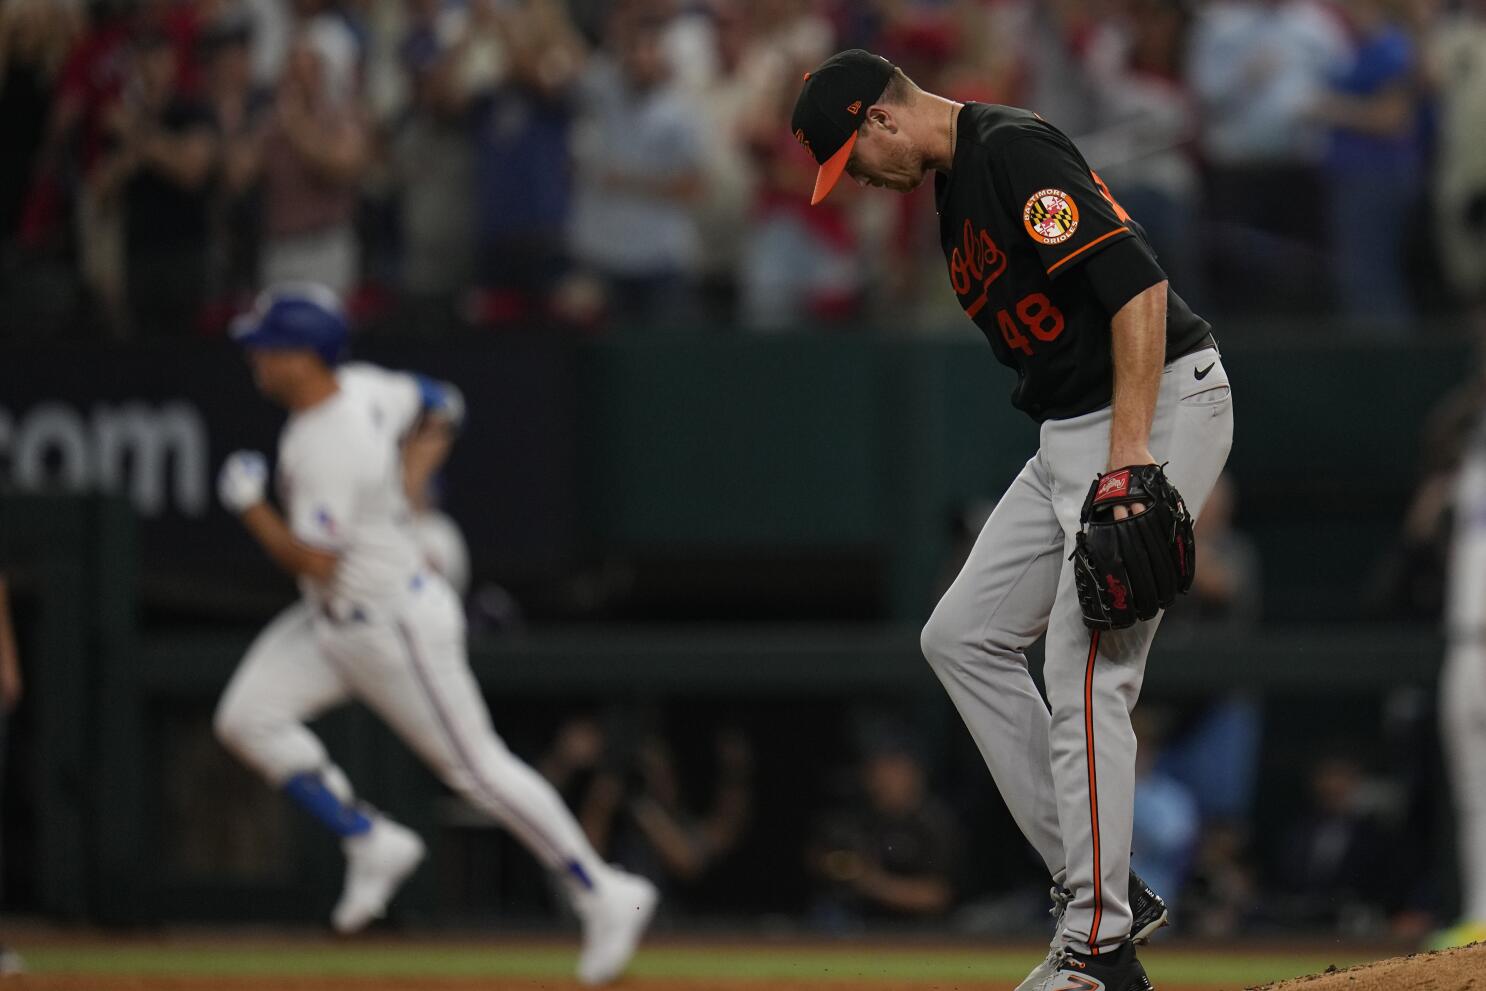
{"points": [[978, 261]]}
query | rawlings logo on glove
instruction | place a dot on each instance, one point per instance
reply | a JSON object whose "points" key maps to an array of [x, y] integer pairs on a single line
{"points": [[1126, 570], [1116, 483]]}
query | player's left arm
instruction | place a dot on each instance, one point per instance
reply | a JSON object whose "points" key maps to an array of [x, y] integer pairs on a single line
{"points": [[433, 421], [415, 400], [424, 451]]}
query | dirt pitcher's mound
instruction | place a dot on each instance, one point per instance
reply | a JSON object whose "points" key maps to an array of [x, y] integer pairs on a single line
{"points": [[1445, 970]]}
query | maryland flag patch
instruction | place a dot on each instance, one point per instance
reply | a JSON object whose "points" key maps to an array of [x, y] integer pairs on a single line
{"points": [[1051, 216]]}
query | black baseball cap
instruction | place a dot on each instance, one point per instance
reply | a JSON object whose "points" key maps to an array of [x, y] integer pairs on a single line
{"points": [[829, 110]]}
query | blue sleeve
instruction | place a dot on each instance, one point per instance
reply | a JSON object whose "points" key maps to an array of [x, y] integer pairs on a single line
{"points": [[443, 398], [430, 392]]}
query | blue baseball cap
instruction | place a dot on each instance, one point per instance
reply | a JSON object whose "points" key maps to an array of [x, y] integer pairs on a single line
{"points": [[295, 316]]}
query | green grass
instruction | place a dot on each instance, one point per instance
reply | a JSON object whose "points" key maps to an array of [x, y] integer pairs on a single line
{"points": [[503, 960]]}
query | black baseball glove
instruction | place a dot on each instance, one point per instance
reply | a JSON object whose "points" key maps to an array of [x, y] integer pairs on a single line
{"points": [[1126, 570]]}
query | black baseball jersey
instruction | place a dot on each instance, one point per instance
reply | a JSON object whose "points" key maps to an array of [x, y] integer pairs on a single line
{"points": [[1020, 213]]}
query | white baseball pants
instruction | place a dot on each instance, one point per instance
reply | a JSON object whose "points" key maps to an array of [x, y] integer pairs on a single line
{"points": [[408, 665]]}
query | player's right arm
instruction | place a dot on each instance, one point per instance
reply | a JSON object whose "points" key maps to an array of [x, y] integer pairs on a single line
{"points": [[241, 486], [287, 551]]}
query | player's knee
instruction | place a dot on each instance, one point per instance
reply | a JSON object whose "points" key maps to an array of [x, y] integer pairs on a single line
{"points": [[938, 640], [948, 643], [230, 724], [237, 725]]}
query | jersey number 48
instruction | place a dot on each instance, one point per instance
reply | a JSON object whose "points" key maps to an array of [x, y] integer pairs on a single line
{"points": [[1038, 315]]}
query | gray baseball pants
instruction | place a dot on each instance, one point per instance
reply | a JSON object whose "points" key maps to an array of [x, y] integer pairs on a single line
{"points": [[1068, 775]]}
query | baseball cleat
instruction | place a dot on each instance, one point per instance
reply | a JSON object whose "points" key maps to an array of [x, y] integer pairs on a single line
{"points": [[1147, 911], [614, 916], [377, 862], [1112, 970], [1461, 934]]}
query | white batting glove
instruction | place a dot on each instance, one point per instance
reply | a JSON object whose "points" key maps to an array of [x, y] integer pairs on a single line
{"points": [[242, 481]]}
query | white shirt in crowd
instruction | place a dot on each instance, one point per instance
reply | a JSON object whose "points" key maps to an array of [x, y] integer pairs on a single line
{"points": [[1259, 69]]}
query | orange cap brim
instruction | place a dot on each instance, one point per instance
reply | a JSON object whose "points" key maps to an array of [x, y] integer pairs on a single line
{"points": [[831, 170]]}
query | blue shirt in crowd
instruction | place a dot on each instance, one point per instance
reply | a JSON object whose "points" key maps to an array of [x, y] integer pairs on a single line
{"points": [[1383, 60]]}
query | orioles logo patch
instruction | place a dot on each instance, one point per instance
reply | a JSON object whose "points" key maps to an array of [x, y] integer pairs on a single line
{"points": [[1051, 216]]}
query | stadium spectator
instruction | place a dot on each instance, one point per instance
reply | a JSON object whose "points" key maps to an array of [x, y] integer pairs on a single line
{"points": [[91, 83], [312, 157], [719, 47], [1258, 68], [637, 157], [11, 690], [1211, 748], [1408, 583], [892, 852], [523, 122], [1167, 823], [1143, 143], [35, 37], [1050, 74], [1334, 860], [1227, 591], [1373, 168], [163, 150], [276, 25], [240, 111], [1221, 884], [624, 782], [432, 164], [1458, 69], [800, 264]]}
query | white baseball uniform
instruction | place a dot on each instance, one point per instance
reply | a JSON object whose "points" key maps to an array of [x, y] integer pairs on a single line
{"points": [[1463, 681], [385, 630]]}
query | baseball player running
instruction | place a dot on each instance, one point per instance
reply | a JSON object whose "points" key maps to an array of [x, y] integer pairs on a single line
{"points": [[376, 625], [1093, 537], [1463, 689]]}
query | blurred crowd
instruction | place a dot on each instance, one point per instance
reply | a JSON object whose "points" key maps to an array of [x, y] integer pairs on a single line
{"points": [[585, 163]]}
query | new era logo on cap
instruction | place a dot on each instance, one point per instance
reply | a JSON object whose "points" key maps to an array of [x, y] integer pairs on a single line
{"points": [[852, 80]]}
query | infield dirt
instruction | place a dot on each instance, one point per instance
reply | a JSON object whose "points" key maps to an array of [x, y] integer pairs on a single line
{"points": [[92, 982], [1444, 970]]}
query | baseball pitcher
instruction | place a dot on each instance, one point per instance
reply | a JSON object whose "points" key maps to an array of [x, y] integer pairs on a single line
{"points": [[1094, 537], [377, 625]]}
